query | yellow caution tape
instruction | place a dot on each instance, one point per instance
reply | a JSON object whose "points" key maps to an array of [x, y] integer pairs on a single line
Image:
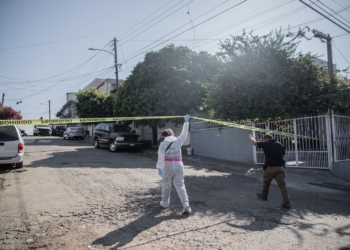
{"points": [[118, 119], [80, 120], [236, 125]]}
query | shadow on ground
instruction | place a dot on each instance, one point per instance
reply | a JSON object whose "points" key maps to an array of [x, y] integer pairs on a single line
{"points": [[215, 192]]}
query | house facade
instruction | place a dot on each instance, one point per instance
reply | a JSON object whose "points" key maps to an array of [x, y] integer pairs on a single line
{"points": [[108, 85], [68, 109]]}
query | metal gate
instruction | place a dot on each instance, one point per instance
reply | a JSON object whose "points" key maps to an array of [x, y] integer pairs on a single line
{"points": [[300, 152], [341, 137]]}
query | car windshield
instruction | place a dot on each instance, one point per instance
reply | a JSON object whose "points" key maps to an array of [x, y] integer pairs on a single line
{"points": [[43, 126], [117, 128], [75, 128], [8, 133], [60, 127]]}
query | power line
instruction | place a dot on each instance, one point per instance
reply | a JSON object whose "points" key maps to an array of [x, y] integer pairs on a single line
{"points": [[177, 29], [344, 34], [341, 53], [280, 17], [149, 17], [342, 6], [332, 10], [56, 83], [329, 13], [316, 20], [234, 23], [75, 38], [194, 30], [159, 21], [324, 16], [67, 86], [54, 75], [65, 40], [249, 18], [70, 79], [190, 28], [124, 58]]}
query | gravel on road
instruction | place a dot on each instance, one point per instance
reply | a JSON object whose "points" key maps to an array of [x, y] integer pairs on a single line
{"points": [[73, 196]]}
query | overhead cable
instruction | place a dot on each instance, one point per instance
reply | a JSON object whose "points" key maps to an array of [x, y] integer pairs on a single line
{"points": [[324, 16], [178, 29], [157, 22], [245, 19], [65, 40], [330, 13], [341, 53], [333, 11], [345, 8], [190, 28], [57, 74], [121, 36]]}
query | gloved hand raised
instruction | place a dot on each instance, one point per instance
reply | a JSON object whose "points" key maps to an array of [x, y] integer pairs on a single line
{"points": [[187, 117], [160, 172]]}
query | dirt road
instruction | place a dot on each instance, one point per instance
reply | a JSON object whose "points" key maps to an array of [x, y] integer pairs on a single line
{"points": [[72, 196]]}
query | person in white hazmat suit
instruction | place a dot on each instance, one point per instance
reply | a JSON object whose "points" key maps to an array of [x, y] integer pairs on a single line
{"points": [[170, 166]]}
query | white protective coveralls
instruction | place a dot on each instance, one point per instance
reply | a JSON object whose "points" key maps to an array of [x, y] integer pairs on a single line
{"points": [[171, 164]]}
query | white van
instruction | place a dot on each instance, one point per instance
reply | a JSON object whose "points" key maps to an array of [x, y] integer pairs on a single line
{"points": [[11, 146]]}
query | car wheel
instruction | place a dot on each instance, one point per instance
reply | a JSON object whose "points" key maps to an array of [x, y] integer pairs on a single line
{"points": [[68, 138], [82, 138], [64, 137], [97, 144], [19, 165], [112, 147]]}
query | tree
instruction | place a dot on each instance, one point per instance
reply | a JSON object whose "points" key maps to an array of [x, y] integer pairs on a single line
{"points": [[58, 114], [8, 113], [264, 77], [171, 81], [93, 104]]}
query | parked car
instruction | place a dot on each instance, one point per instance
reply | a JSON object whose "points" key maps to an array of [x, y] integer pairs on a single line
{"points": [[57, 130], [73, 132], [116, 136], [42, 130], [11, 146]]}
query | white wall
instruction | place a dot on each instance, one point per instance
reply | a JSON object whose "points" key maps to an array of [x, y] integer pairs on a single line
{"points": [[71, 96], [232, 144]]}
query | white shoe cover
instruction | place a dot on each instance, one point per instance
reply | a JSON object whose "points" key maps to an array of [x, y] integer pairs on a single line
{"points": [[187, 209], [163, 204]]}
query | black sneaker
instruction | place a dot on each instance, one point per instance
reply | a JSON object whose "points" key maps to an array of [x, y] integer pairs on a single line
{"points": [[261, 197], [287, 206]]}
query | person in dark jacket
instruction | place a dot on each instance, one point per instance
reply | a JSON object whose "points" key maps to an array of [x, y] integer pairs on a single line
{"points": [[274, 167]]}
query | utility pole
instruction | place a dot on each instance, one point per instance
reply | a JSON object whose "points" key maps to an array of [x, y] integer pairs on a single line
{"points": [[320, 35], [49, 109], [3, 98], [330, 57], [116, 63]]}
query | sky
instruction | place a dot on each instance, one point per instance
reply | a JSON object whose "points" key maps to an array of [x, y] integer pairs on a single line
{"points": [[44, 44]]}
